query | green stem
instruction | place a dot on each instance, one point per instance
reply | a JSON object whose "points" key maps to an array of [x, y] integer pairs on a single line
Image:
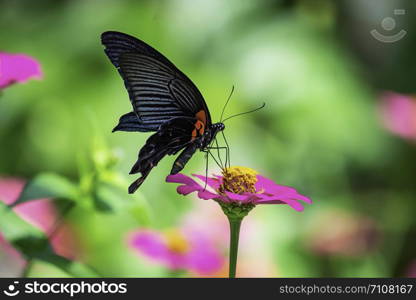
{"points": [[235, 224]]}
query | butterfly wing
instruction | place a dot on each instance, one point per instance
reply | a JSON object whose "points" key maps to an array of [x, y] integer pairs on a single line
{"points": [[157, 89], [171, 137], [164, 100]]}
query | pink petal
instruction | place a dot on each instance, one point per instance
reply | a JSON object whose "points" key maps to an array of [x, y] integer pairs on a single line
{"points": [[269, 186], [176, 261], [203, 258], [399, 114], [272, 193], [10, 189], [189, 186], [298, 196], [206, 195], [180, 178], [41, 212], [148, 242], [243, 198], [272, 200], [211, 182], [151, 244], [17, 68]]}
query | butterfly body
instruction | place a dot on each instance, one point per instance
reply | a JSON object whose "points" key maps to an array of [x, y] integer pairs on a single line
{"points": [[164, 100]]}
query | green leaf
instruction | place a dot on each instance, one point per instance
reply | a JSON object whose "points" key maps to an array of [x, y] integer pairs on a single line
{"points": [[139, 209], [60, 267], [73, 268], [48, 185], [15, 228], [110, 198], [106, 198]]}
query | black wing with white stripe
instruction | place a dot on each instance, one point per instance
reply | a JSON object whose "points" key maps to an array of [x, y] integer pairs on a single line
{"points": [[157, 89]]}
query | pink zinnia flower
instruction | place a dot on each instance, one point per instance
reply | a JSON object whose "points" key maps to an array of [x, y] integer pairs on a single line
{"points": [[399, 114], [240, 185], [238, 191], [179, 249], [17, 68]]}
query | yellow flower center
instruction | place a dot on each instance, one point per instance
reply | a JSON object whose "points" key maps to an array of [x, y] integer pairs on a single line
{"points": [[238, 180], [176, 241]]}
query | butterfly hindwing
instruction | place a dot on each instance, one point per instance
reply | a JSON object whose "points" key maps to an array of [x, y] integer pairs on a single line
{"points": [[131, 122], [171, 137]]}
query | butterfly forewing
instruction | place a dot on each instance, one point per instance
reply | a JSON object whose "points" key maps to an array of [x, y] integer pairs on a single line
{"points": [[157, 89], [148, 84]]}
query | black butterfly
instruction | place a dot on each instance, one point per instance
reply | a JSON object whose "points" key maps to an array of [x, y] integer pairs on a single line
{"points": [[164, 100]]}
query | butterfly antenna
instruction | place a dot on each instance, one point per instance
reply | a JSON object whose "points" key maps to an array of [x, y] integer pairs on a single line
{"points": [[246, 112], [226, 103]]}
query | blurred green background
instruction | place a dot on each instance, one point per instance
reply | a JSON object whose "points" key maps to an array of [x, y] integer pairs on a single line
{"points": [[314, 63]]}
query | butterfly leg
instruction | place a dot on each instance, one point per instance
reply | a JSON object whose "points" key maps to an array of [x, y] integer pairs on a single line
{"points": [[218, 151], [228, 155], [206, 171], [207, 151], [220, 164]]}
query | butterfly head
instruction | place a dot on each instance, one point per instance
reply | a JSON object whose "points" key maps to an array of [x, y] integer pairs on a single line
{"points": [[217, 127], [210, 134]]}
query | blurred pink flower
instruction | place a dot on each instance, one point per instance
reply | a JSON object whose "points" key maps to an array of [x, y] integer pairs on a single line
{"points": [[341, 233], [240, 185], [179, 249], [40, 213], [399, 114], [17, 68]]}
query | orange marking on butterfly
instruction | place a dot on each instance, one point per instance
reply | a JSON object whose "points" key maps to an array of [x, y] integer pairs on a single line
{"points": [[202, 116], [199, 124]]}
